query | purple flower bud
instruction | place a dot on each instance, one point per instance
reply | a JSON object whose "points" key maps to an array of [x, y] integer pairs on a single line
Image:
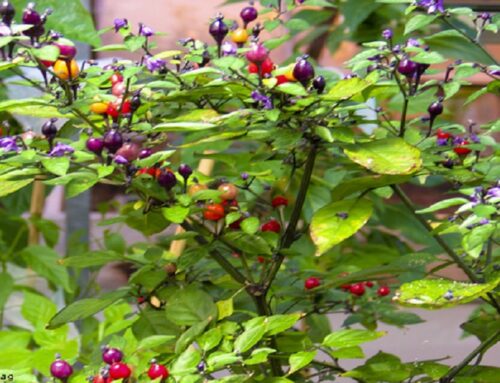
{"points": [[486, 16], [493, 192], [229, 49], [154, 65], [9, 144], [201, 366], [60, 150], [442, 141], [167, 179], [120, 160], [387, 34], [145, 30], [31, 16], [448, 295], [120, 23], [244, 176], [263, 100], [484, 221], [475, 138]]}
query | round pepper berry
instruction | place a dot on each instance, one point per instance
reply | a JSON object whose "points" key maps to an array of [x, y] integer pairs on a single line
{"points": [[65, 70], [157, 371], [214, 212], [111, 355], [383, 291], [229, 191], [357, 289], [279, 200], [119, 370], [272, 225], [311, 283], [60, 369]]}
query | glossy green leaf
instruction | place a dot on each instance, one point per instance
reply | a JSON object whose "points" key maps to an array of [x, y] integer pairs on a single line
{"points": [[338, 221], [190, 306], [345, 89], [351, 338], [443, 205], [249, 338], [210, 339], [441, 293], [418, 21], [300, 360], [9, 187], [175, 214], [251, 244], [387, 156], [56, 165], [259, 355], [85, 308], [359, 184], [279, 323]]}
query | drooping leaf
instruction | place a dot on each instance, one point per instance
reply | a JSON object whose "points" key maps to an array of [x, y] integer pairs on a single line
{"points": [[441, 293], [338, 221], [351, 338], [85, 308], [190, 306], [300, 360], [387, 156]]}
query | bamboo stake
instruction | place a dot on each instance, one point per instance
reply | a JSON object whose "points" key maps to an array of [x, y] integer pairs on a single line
{"points": [[206, 166], [36, 210]]}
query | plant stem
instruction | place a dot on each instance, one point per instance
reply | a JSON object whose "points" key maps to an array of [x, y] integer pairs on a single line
{"points": [[487, 343], [289, 236], [402, 125], [36, 208], [219, 258], [456, 258]]}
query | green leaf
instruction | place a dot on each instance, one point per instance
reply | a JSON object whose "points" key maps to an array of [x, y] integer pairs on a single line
{"points": [[381, 368], [354, 352], [443, 205], [387, 156], [186, 363], [417, 22], [251, 244], [183, 126], [280, 323], [300, 360], [210, 339], [37, 309], [359, 184], [258, 356], [6, 288], [249, 338], [292, 88], [45, 262], [441, 293], [155, 341], [189, 336], [190, 306], [9, 187], [47, 53], [338, 221], [217, 360], [56, 165], [32, 107], [250, 225], [225, 308], [351, 338], [85, 308], [91, 259], [476, 238], [175, 214], [345, 89]]}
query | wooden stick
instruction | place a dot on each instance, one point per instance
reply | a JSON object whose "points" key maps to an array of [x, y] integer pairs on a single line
{"points": [[36, 210], [206, 166]]}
